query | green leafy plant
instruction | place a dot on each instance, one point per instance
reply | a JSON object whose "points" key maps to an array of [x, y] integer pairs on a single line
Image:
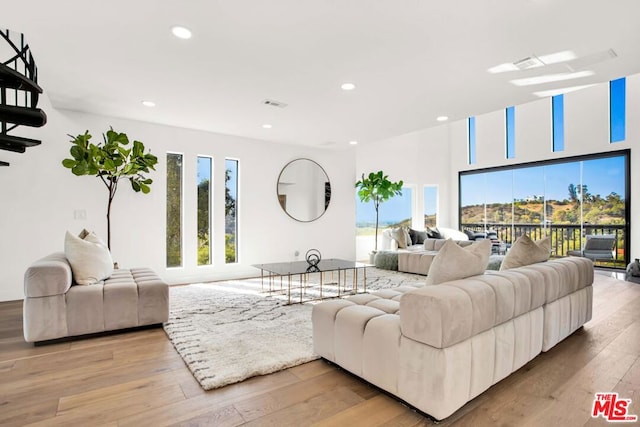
{"points": [[377, 188], [111, 160]]}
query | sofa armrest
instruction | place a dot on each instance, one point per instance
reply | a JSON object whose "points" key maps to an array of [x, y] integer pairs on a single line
{"points": [[48, 276]]}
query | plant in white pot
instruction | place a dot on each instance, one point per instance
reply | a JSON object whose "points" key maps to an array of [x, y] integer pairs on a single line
{"points": [[377, 188], [110, 161]]}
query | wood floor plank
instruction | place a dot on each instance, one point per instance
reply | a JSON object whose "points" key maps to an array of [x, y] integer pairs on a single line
{"points": [[308, 411], [111, 408], [373, 412], [20, 415], [212, 400], [260, 406], [7, 365], [225, 417], [310, 370]]}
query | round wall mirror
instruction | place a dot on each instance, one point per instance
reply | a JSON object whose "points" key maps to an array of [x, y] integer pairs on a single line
{"points": [[304, 190]]}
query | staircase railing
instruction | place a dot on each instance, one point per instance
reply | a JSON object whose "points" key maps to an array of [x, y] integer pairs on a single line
{"points": [[19, 93]]}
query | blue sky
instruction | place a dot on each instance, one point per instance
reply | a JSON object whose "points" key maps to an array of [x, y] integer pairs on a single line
{"points": [[602, 176], [396, 209]]}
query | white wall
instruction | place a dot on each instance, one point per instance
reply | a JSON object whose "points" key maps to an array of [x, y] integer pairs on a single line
{"points": [[38, 198], [419, 158], [435, 156]]}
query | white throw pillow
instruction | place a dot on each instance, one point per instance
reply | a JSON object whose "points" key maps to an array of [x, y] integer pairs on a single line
{"points": [[89, 258], [398, 234], [454, 262], [526, 252]]}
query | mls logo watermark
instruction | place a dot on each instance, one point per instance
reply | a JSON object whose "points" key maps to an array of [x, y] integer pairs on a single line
{"points": [[612, 408]]}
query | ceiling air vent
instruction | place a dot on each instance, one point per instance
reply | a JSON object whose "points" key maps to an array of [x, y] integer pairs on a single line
{"points": [[274, 103], [529, 62]]}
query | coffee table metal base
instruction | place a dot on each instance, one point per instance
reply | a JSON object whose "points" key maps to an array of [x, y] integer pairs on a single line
{"points": [[308, 289]]}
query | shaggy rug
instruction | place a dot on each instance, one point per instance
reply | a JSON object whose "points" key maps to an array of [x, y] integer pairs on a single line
{"points": [[230, 331]]}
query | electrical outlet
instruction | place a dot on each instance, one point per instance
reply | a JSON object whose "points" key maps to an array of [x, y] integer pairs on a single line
{"points": [[80, 214]]}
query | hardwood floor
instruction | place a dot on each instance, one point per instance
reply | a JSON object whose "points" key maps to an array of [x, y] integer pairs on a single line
{"points": [[138, 379]]}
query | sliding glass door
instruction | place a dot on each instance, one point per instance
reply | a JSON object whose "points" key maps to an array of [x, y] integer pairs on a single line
{"points": [[567, 199]]}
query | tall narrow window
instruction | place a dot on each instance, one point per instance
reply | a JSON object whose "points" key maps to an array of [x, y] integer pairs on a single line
{"points": [[471, 139], [557, 115], [204, 210], [231, 211], [430, 205], [617, 110], [174, 210], [510, 114]]}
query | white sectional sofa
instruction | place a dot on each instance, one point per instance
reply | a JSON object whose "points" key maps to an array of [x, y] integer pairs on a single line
{"points": [[388, 243], [437, 347], [417, 258]]}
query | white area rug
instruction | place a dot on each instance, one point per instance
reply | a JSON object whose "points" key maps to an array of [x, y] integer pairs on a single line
{"points": [[230, 331]]}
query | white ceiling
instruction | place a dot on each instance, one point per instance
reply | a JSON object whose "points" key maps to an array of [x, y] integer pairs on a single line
{"points": [[412, 60]]}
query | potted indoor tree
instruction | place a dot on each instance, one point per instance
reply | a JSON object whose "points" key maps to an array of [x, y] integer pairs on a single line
{"points": [[111, 161], [377, 188]]}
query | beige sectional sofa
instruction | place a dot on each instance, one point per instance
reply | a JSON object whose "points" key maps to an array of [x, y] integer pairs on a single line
{"points": [[417, 258], [437, 347], [54, 307], [418, 261]]}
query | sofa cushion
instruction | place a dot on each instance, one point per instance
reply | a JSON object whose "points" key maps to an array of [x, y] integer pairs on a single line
{"points": [[399, 235], [525, 251], [417, 237], [89, 258], [454, 262], [434, 233]]}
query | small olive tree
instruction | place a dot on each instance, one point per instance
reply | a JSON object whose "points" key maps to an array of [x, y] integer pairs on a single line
{"points": [[110, 161], [377, 188]]}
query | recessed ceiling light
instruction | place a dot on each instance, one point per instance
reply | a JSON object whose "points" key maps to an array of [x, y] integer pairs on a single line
{"points": [[442, 118], [267, 126], [548, 78], [148, 103], [181, 32], [348, 86], [353, 142]]}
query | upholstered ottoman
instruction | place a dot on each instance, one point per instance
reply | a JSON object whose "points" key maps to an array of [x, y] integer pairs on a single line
{"points": [[386, 260], [54, 307]]}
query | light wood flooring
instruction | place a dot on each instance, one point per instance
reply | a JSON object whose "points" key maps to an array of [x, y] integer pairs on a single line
{"points": [[138, 379]]}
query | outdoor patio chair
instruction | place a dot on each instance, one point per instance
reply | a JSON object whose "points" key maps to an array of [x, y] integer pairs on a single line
{"points": [[597, 248]]}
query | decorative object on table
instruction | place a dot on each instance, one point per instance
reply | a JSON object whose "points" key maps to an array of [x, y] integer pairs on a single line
{"points": [[313, 257], [110, 161], [633, 271], [377, 188]]}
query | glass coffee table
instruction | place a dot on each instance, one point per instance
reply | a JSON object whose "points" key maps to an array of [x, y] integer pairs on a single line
{"points": [[286, 272]]}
